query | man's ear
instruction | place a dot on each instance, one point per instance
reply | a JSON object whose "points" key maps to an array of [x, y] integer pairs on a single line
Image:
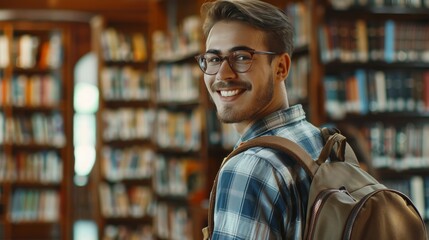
{"points": [[283, 66]]}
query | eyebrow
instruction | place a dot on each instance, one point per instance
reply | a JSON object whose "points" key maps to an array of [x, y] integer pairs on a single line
{"points": [[236, 48]]}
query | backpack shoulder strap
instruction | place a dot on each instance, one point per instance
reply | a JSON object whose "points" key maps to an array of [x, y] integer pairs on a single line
{"points": [[274, 142], [287, 146]]}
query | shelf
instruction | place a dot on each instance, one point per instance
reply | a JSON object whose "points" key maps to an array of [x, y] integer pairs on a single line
{"points": [[36, 230], [129, 220], [335, 66], [382, 12]]}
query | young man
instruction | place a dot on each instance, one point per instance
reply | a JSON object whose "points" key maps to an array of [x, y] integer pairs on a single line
{"points": [[261, 193]]}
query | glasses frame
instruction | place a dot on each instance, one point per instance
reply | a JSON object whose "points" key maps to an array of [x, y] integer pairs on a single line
{"points": [[228, 59]]}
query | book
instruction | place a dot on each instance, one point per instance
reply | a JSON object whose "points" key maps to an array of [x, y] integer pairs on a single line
{"points": [[389, 39], [4, 51], [361, 78]]}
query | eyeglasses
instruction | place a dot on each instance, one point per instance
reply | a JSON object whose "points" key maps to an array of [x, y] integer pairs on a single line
{"points": [[240, 61]]}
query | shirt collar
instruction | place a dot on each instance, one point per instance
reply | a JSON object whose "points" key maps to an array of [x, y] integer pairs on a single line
{"points": [[274, 120]]}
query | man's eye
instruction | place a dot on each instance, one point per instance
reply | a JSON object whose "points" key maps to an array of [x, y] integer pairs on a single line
{"points": [[242, 57], [213, 59]]}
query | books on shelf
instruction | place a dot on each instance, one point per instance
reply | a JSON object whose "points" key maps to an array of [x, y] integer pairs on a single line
{"points": [[184, 41], [179, 130], [398, 147], [300, 17], [33, 51], [128, 124], [121, 201], [412, 4], [178, 83], [33, 167], [51, 52], [125, 83], [179, 177], [143, 232], [298, 78], [173, 222], [36, 128], [372, 91], [127, 163], [121, 46], [369, 40], [35, 90], [29, 205]]}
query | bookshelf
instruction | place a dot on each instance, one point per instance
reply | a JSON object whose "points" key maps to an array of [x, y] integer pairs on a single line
{"points": [[125, 140], [374, 75], [182, 149], [36, 155]]}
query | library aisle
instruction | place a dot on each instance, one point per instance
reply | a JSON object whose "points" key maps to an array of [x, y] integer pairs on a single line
{"points": [[104, 117]]}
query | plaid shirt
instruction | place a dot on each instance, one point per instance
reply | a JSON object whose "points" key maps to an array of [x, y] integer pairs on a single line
{"points": [[261, 193]]}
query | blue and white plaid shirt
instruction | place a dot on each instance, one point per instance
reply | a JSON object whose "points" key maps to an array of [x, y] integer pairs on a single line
{"points": [[261, 193]]}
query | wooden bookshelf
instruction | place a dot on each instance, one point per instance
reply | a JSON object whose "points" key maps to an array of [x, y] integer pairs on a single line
{"points": [[375, 79], [36, 154], [126, 116]]}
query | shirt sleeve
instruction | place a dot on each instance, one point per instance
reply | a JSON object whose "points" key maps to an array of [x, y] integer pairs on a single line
{"points": [[256, 199]]}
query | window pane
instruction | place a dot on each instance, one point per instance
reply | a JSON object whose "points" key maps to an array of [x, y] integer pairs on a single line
{"points": [[84, 129]]}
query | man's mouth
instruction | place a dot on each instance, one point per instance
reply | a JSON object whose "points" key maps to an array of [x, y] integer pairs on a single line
{"points": [[229, 93]]}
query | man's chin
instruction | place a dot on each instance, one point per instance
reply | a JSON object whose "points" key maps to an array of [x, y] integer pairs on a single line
{"points": [[228, 117]]}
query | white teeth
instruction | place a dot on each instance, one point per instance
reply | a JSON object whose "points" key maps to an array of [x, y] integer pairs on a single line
{"points": [[229, 93]]}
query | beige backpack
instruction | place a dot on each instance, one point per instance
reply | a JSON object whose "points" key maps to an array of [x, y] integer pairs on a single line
{"points": [[345, 202]]}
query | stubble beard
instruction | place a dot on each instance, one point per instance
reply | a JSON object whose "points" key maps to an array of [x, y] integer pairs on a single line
{"points": [[230, 114]]}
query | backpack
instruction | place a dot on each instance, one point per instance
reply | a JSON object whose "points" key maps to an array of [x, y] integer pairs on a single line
{"points": [[345, 202]]}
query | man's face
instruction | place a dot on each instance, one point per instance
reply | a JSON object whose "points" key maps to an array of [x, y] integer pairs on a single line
{"points": [[240, 97]]}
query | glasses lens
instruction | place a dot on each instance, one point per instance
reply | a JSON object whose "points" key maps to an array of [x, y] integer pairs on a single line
{"points": [[240, 61], [210, 63]]}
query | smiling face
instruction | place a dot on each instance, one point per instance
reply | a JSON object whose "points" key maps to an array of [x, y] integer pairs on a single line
{"points": [[242, 98]]}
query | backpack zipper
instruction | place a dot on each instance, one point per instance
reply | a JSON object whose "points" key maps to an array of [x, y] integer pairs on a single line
{"points": [[315, 210], [317, 206], [353, 215], [349, 225]]}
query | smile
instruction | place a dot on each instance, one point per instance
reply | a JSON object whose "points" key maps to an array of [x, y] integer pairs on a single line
{"points": [[229, 93]]}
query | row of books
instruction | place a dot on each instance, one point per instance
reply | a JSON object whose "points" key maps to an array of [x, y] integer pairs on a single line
{"points": [[362, 41], [28, 205], [128, 123], [33, 51], [179, 177], [179, 130], [300, 18], [115, 232], [121, 201], [298, 78], [370, 91], [125, 83], [173, 222], [119, 46], [416, 188], [342, 5], [178, 83], [127, 163], [34, 128], [179, 42], [37, 167], [31, 90], [399, 147]]}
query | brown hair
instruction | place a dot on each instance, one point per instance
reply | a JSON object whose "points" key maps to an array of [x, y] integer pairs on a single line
{"points": [[261, 15]]}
